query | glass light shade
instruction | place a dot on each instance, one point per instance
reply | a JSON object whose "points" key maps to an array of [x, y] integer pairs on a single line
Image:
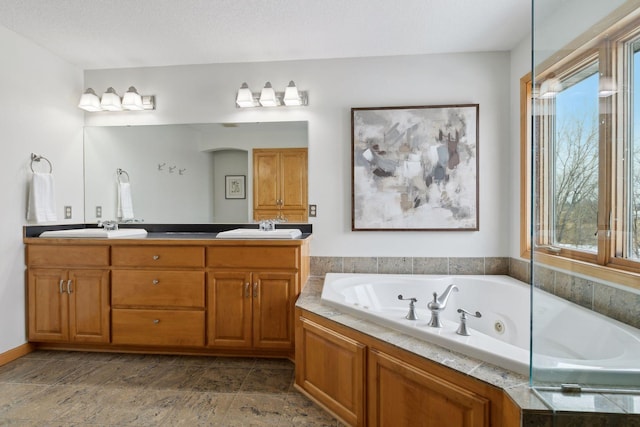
{"points": [[132, 100], [607, 87], [268, 96], [244, 98], [111, 101], [89, 101], [291, 95]]}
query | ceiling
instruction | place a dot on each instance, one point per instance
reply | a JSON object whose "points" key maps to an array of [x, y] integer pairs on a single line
{"points": [[96, 34]]}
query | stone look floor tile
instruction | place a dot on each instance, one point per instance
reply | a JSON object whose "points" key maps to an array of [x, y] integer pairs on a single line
{"points": [[64, 389]]}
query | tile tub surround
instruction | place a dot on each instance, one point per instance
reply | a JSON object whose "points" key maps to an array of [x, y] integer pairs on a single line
{"points": [[58, 388], [612, 407]]}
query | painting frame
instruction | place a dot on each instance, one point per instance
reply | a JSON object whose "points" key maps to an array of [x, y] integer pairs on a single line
{"points": [[235, 187], [415, 168]]}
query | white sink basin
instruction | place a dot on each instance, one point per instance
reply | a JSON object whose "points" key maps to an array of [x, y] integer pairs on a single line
{"points": [[253, 233], [93, 233]]}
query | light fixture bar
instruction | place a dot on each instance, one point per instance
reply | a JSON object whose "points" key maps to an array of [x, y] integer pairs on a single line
{"points": [[110, 101], [269, 98]]}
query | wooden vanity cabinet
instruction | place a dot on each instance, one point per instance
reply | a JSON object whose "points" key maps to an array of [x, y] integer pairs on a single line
{"points": [[251, 292], [158, 296], [280, 184], [68, 294]]}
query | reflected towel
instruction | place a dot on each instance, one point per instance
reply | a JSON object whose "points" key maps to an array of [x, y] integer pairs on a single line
{"points": [[41, 206], [125, 202]]}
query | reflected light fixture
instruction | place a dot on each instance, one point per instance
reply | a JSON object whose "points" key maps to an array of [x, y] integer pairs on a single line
{"points": [[110, 101], [89, 101], [268, 97], [550, 88], [606, 87]]}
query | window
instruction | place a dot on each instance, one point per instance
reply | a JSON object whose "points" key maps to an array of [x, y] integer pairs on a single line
{"points": [[583, 134]]}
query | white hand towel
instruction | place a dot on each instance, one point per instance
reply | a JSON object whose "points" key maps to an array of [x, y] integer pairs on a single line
{"points": [[125, 201], [41, 206]]}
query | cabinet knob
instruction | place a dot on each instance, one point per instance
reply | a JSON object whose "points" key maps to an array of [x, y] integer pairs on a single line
{"points": [[255, 290], [156, 257], [246, 290], [156, 321], [61, 284], [155, 281], [69, 288]]}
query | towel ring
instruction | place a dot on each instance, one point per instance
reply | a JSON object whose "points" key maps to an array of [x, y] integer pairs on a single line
{"points": [[123, 172], [37, 158]]}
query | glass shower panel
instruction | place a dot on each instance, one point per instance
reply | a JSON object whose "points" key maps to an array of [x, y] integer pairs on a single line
{"points": [[585, 204]]}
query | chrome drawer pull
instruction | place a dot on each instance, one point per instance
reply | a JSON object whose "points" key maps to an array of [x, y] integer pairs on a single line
{"points": [[156, 257], [69, 289], [255, 290], [155, 281], [246, 290], [156, 321], [61, 283]]}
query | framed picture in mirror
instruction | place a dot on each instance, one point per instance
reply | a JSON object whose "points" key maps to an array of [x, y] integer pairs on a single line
{"points": [[235, 187]]}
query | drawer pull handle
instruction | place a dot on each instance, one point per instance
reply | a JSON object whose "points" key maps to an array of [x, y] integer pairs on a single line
{"points": [[246, 290], [255, 290], [155, 281], [69, 288], [156, 257], [156, 321], [61, 283]]}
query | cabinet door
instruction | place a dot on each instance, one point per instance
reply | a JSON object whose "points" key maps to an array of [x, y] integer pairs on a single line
{"points": [[293, 172], [229, 309], [273, 302], [88, 293], [403, 395], [48, 310], [331, 368], [266, 192]]}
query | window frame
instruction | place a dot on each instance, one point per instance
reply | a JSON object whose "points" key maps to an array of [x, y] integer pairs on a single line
{"points": [[609, 49]]}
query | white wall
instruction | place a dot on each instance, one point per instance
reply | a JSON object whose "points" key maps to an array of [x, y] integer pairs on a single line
{"points": [[205, 93], [230, 162], [37, 114]]}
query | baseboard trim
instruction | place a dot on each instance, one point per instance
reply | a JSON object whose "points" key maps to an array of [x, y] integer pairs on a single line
{"points": [[15, 353]]}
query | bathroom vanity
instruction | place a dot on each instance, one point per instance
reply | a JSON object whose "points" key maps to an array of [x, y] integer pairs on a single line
{"points": [[169, 292]]}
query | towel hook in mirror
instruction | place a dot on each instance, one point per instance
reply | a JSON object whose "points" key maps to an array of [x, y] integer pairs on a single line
{"points": [[37, 158]]}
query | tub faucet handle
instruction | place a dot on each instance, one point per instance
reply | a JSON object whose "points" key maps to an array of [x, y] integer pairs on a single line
{"points": [[412, 307], [462, 329]]}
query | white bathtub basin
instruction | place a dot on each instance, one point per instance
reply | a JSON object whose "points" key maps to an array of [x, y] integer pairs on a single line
{"points": [[95, 233], [572, 344], [254, 233]]}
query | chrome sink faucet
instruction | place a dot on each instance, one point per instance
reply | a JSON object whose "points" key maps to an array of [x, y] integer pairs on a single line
{"points": [[439, 304], [108, 225]]}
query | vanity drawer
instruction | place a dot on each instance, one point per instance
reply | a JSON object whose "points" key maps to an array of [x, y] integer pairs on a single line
{"points": [[157, 288], [67, 256], [253, 257], [158, 327], [157, 256]]}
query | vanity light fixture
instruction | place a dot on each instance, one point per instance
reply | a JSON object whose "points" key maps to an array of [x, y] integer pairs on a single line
{"points": [[132, 100], [606, 87], [89, 101], [268, 97], [110, 101]]}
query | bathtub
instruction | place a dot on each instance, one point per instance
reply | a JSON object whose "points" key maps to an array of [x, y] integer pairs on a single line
{"points": [[572, 344]]}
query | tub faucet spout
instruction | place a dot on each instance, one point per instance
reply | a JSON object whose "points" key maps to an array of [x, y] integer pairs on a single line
{"points": [[439, 304]]}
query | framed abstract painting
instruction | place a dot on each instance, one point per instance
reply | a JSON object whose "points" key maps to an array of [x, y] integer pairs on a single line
{"points": [[415, 168]]}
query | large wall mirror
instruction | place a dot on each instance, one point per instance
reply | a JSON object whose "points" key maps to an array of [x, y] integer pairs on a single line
{"points": [[179, 173]]}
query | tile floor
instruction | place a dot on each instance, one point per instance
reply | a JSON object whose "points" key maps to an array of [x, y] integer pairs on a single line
{"points": [[56, 388]]}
